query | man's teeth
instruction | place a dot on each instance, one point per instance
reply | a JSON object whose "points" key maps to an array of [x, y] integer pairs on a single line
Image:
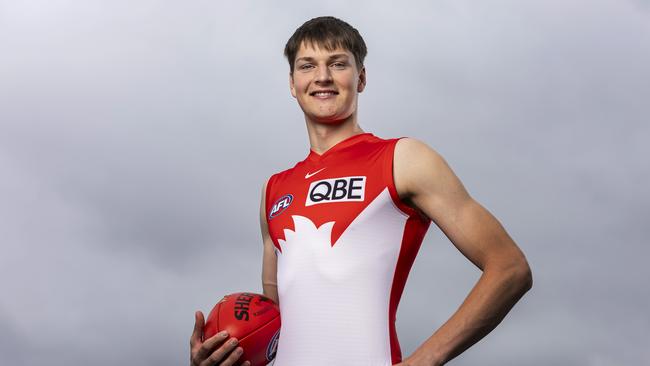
{"points": [[323, 94]]}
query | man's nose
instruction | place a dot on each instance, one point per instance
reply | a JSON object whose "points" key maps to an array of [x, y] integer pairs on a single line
{"points": [[323, 74]]}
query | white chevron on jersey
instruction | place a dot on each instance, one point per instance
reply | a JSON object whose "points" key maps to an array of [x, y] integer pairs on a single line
{"points": [[340, 291]]}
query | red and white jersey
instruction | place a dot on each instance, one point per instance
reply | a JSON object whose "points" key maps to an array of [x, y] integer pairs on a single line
{"points": [[345, 244]]}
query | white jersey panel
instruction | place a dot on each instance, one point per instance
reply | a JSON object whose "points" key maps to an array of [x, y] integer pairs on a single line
{"points": [[335, 299]]}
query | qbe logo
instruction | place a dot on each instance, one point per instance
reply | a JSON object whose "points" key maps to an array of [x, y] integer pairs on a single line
{"points": [[341, 189], [280, 205]]}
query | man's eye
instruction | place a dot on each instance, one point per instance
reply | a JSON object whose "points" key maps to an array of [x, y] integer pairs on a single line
{"points": [[306, 66], [338, 64]]}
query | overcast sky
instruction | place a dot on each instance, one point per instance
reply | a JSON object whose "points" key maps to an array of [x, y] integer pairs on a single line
{"points": [[135, 137]]}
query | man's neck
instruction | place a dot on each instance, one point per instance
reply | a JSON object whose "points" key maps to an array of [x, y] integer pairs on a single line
{"points": [[322, 136]]}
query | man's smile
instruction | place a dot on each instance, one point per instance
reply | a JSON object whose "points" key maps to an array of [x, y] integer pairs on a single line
{"points": [[324, 94]]}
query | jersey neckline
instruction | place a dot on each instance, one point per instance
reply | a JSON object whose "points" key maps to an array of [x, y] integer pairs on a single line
{"points": [[314, 156]]}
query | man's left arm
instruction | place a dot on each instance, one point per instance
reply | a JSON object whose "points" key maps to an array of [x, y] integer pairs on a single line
{"points": [[425, 181]]}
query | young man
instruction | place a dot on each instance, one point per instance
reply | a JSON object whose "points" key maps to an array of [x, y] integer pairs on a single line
{"points": [[341, 228]]}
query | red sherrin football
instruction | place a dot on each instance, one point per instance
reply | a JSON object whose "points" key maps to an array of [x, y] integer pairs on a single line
{"points": [[253, 319]]}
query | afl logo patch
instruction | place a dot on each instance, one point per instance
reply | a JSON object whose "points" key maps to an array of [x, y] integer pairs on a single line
{"points": [[280, 205], [272, 347]]}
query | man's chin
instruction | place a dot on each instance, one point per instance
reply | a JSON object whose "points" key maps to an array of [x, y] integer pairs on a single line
{"points": [[328, 120], [331, 119]]}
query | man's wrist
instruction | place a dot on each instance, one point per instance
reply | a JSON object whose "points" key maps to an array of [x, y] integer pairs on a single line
{"points": [[428, 356], [433, 352]]}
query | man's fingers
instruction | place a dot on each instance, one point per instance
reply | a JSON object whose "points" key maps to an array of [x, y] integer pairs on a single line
{"points": [[210, 344], [197, 333], [226, 349]]}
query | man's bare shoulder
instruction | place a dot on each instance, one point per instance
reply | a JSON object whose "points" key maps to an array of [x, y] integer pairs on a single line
{"points": [[416, 164], [415, 150]]}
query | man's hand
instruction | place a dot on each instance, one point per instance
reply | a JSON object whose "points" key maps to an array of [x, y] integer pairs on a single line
{"points": [[419, 359], [215, 350]]}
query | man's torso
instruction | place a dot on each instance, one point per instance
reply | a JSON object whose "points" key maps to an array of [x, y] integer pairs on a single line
{"points": [[345, 243]]}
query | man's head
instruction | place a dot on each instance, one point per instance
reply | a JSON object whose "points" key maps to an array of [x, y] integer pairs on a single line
{"points": [[326, 69], [329, 33]]}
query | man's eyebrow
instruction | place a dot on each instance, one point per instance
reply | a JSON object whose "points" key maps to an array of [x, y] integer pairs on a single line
{"points": [[309, 59]]}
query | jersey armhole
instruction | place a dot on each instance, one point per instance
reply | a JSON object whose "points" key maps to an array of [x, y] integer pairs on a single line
{"points": [[267, 196], [390, 179]]}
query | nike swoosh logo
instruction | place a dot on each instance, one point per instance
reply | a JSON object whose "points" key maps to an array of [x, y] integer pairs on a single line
{"points": [[311, 174]]}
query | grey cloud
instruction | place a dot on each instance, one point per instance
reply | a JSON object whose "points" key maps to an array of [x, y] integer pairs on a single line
{"points": [[135, 137]]}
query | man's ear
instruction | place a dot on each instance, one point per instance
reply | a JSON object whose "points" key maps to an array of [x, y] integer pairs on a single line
{"points": [[362, 80], [291, 87]]}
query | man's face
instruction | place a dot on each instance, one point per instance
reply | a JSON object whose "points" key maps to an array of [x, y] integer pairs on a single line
{"points": [[326, 83]]}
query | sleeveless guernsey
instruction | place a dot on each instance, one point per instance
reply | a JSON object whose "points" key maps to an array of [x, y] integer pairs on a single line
{"points": [[345, 244]]}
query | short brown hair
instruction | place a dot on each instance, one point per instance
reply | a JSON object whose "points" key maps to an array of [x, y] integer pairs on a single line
{"points": [[330, 33]]}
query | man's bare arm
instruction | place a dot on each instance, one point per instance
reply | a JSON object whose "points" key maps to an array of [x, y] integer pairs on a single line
{"points": [[423, 178], [269, 258]]}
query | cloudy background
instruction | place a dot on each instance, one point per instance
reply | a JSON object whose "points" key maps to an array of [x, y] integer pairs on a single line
{"points": [[135, 137]]}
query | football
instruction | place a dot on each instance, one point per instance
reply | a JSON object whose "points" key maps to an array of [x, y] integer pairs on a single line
{"points": [[253, 319]]}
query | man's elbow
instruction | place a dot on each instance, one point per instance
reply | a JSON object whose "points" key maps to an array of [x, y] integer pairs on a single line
{"points": [[515, 272], [523, 276], [271, 291]]}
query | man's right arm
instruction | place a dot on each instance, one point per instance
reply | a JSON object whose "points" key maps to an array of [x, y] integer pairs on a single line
{"points": [[270, 259]]}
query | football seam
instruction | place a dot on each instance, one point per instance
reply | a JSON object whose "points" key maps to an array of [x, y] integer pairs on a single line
{"points": [[259, 328]]}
